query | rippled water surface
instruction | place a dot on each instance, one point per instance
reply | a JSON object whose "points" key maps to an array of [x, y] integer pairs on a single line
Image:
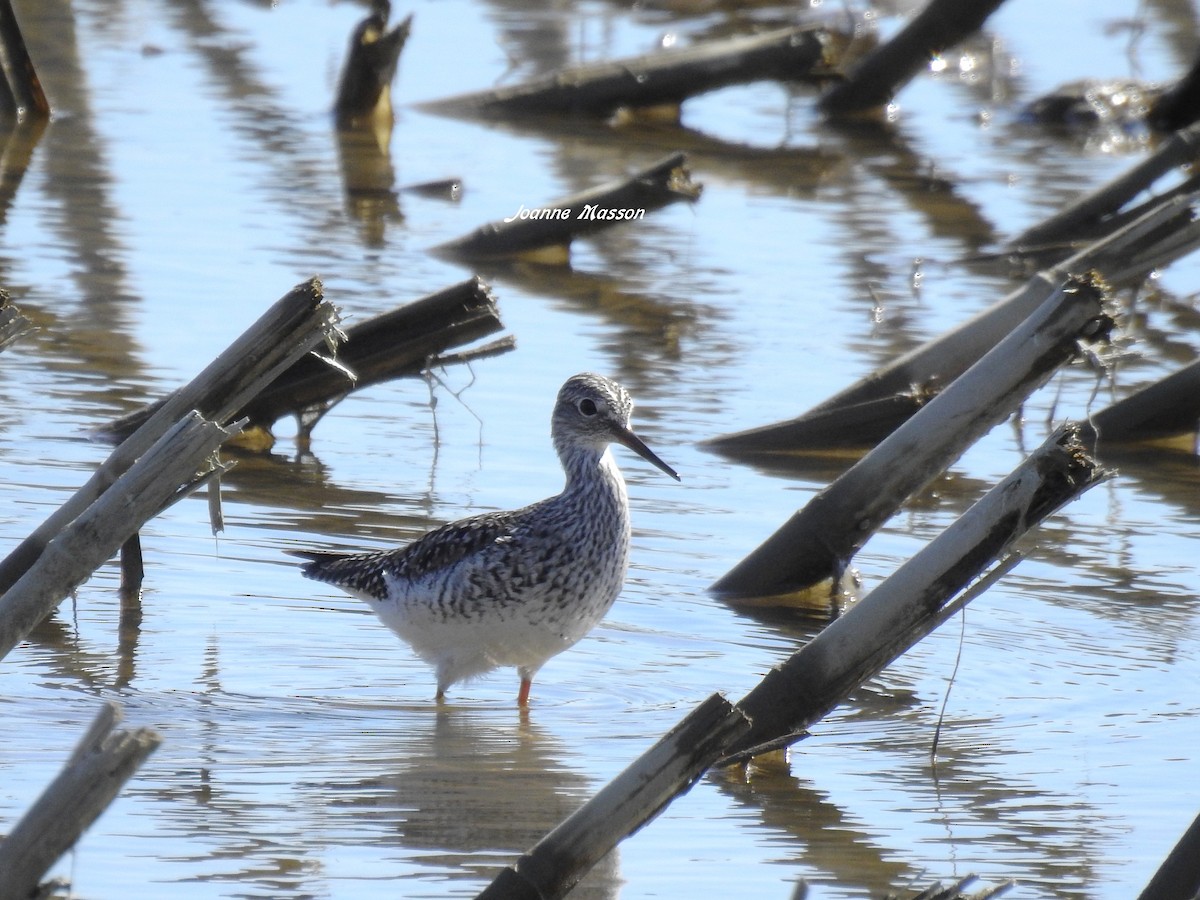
{"points": [[191, 176]]}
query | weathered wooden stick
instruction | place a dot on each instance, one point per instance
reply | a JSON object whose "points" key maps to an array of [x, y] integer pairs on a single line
{"points": [[669, 768], [403, 342], [820, 539], [882, 72], [1179, 105], [1174, 239], [1180, 149], [291, 328], [365, 87], [1167, 408], [133, 570], [162, 475], [919, 595], [91, 779], [1186, 192], [654, 79], [907, 606], [1178, 878], [24, 97], [555, 225], [392, 345], [873, 407]]}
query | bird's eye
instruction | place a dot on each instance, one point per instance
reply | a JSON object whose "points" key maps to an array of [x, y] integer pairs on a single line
{"points": [[587, 406]]}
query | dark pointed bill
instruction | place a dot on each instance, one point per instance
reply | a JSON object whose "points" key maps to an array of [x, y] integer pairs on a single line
{"points": [[628, 439]]}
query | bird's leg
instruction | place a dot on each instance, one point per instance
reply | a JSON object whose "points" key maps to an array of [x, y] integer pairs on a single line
{"points": [[523, 694]]}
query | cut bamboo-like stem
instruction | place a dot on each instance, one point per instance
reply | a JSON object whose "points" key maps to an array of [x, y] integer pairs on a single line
{"points": [[555, 225], [867, 411], [877, 78], [91, 779], [656, 79], [917, 597], [403, 342], [25, 96], [1178, 878], [909, 605], [291, 328], [557, 862], [163, 474], [820, 539], [365, 87], [1167, 408], [1182, 148], [1179, 105]]}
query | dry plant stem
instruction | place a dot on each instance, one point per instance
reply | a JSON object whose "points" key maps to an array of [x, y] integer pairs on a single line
{"points": [[393, 345], [133, 570], [1166, 408], [873, 407], [560, 859], [1178, 878], [664, 182], [91, 779], [1179, 105], [162, 475], [1180, 149], [388, 346], [287, 331], [916, 599], [655, 79], [920, 595], [23, 97], [366, 83], [820, 539], [875, 80]]}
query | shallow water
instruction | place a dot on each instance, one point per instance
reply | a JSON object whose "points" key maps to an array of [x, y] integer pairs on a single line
{"points": [[191, 177]]}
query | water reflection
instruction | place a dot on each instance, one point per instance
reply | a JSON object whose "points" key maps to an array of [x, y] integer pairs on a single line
{"points": [[820, 833], [468, 793], [369, 180], [424, 794], [19, 142]]}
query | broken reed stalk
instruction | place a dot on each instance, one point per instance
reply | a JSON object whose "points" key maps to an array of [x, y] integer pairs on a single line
{"points": [[548, 230], [365, 86], [882, 72], [1180, 149], [919, 595], [656, 79], [895, 616], [820, 539], [165, 473], [1179, 105], [1178, 878], [406, 341], [23, 97], [873, 407], [559, 860], [292, 327], [89, 781], [1167, 408], [133, 569]]}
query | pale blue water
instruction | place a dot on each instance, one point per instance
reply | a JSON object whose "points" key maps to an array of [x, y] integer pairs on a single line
{"points": [[191, 177]]}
